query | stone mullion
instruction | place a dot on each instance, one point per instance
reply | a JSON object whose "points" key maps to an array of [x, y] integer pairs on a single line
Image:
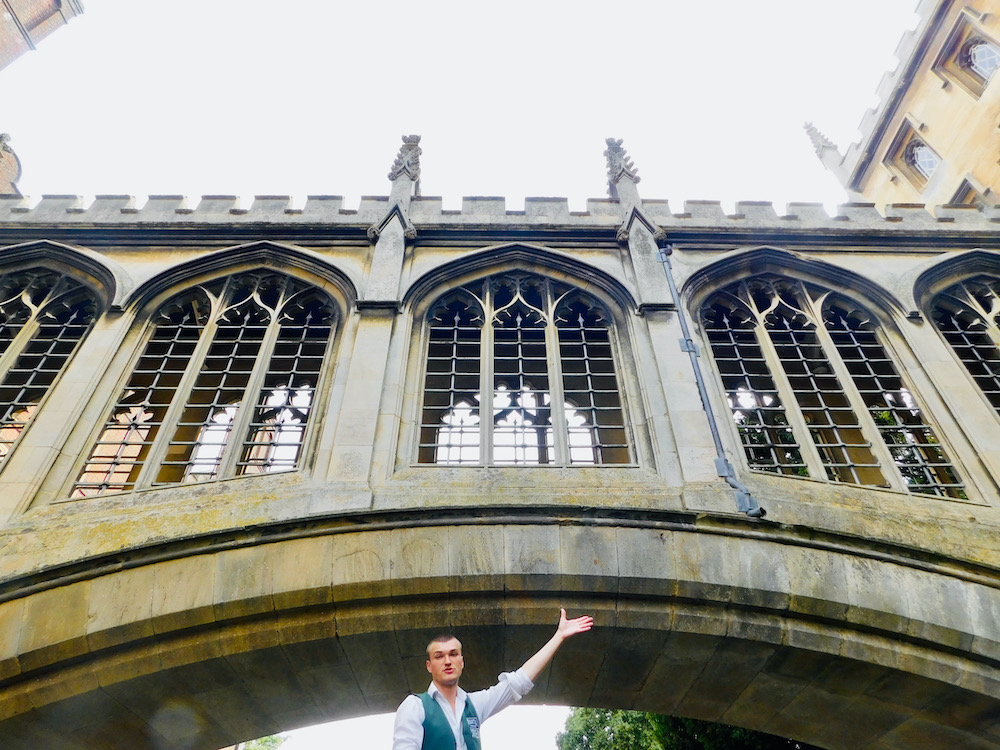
{"points": [[17, 346], [866, 423], [248, 404], [151, 467], [486, 379], [793, 411], [557, 398]]}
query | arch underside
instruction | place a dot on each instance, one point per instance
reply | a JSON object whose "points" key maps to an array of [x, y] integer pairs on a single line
{"points": [[208, 649]]}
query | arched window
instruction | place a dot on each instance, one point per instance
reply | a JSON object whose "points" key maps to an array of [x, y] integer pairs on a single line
{"points": [[980, 57], [43, 317], [542, 351], [239, 356], [967, 315], [814, 392]]}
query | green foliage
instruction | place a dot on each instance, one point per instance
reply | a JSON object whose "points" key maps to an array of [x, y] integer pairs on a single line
{"points": [[604, 729], [265, 743]]}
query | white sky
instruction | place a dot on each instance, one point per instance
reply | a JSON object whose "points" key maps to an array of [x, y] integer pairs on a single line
{"points": [[310, 97]]}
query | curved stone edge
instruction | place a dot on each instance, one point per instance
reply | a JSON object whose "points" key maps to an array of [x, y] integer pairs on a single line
{"points": [[916, 621]]}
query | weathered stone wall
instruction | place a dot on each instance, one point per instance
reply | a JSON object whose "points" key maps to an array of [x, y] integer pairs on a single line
{"points": [[198, 614]]}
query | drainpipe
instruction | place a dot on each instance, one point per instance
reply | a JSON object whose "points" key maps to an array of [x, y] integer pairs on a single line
{"points": [[745, 502]]}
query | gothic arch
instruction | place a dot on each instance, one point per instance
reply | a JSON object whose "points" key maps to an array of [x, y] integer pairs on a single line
{"points": [[534, 258], [109, 280], [954, 268], [757, 261], [286, 259]]}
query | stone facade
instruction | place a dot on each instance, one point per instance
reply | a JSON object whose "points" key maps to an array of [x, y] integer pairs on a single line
{"points": [[932, 138], [256, 477]]}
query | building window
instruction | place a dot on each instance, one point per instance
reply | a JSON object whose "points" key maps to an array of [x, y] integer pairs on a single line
{"points": [[968, 316], [920, 156], [542, 351], [239, 356], [43, 317], [969, 57], [969, 195], [813, 391], [910, 156], [981, 57]]}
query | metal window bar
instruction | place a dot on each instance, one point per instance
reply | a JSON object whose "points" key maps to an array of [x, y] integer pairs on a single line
{"points": [[915, 449], [203, 430], [284, 403], [968, 335], [450, 431], [119, 453], [768, 440], [521, 399], [833, 426], [22, 293], [595, 423]]}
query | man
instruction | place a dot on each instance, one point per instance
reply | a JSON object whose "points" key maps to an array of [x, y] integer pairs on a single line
{"points": [[448, 718]]}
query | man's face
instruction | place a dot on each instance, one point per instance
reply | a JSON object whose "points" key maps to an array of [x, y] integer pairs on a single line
{"points": [[445, 662]]}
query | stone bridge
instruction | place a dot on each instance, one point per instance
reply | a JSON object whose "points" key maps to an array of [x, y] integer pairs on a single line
{"points": [[180, 570]]}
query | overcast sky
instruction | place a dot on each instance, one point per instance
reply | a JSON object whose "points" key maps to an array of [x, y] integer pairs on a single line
{"points": [[307, 97]]}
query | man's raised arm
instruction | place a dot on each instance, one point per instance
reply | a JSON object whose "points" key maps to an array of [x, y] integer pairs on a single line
{"points": [[534, 666]]}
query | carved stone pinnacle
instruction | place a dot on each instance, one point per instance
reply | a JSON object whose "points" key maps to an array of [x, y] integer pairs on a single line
{"points": [[408, 159], [619, 163], [819, 141]]}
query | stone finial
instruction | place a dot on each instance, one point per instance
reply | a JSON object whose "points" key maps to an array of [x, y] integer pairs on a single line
{"points": [[819, 141], [10, 168], [619, 162], [408, 160]]}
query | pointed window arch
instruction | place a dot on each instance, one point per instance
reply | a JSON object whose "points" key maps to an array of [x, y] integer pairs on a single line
{"points": [[225, 386], [814, 392], [44, 315], [968, 316], [543, 352]]}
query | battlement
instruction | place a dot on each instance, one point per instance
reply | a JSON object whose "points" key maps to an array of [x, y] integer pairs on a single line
{"points": [[122, 210]]}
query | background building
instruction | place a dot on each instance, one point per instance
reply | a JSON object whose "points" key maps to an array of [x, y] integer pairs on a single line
{"points": [[933, 138], [24, 23]]}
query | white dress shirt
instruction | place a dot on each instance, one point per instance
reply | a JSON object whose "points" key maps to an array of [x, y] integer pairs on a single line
{"points": [[408, 733]]}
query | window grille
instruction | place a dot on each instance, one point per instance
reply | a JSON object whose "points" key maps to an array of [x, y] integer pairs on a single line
{"points": [[543, 352], [43, 317], [967, 316], [241, 356], [778, 342], [981, 57], [922, 158]]}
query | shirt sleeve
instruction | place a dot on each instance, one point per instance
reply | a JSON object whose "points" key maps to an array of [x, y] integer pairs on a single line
{"points": [[408, 730], [510, 688]]}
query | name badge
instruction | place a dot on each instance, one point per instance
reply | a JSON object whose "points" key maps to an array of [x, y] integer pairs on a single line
{"points": [[473, 726]]}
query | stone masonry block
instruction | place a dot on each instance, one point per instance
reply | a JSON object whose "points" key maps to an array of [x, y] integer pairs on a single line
{"points": [[588, 558], [939, 609], [705, 211], [55, 625], [361, 565], [303, 572], [183, 593], [531, 558], [160, 208], [757, 212], [419, 561], [476, 559], [11, 617], [878, 594], [121, 607], [553, 209], [645, 562], [243, 582], [817, 582], [707, 566]]}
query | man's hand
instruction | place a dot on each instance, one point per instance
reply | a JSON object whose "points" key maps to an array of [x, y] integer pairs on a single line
{"points": [[572, 627], [533, 667]]}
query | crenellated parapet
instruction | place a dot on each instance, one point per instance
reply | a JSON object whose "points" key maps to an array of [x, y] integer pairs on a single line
{"points": [[72, 211]]}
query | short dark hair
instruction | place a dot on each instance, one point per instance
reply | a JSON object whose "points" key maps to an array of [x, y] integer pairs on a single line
{"points": [[443, 638]]}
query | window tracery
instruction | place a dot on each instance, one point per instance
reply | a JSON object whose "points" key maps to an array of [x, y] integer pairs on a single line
{"points": [[542, 351], [44, 315], [798, 361], [239, 356]]}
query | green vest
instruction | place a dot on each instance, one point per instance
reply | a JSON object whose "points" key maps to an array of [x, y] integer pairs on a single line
{"points": [[437, 730]]}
